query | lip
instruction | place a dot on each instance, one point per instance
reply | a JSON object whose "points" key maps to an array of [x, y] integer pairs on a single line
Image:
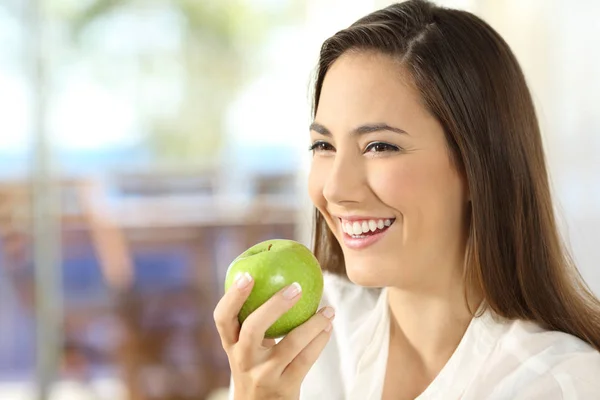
{"points": [[362, 243]]}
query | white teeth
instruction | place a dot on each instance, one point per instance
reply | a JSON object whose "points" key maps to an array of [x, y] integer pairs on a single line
{"points": [[372, 225], [365, 226], [358, 228], [348, 228]]}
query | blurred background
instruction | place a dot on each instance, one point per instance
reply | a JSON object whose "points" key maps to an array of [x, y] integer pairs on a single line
{"points": [[145, 144]]}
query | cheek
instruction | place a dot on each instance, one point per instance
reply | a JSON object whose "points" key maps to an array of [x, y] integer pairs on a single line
{"points": [[397, 183], [423, 190]]}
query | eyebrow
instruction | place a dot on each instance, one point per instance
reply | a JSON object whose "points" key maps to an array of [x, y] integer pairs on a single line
{"points": [[361, 130]]}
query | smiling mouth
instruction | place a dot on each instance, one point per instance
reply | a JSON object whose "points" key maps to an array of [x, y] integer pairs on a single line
{"points": [[365, 228]]}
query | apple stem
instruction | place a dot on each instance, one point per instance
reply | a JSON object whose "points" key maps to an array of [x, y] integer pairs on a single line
{"points": [[269, 248]]}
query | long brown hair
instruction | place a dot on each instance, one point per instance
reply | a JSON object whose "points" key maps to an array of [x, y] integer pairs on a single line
{"points": [[471, 82]]}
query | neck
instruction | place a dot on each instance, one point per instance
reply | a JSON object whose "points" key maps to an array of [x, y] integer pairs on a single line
{"points": [[426, 327]]}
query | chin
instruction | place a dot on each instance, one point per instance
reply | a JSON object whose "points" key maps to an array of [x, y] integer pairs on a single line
{"points": [[364, 276]]}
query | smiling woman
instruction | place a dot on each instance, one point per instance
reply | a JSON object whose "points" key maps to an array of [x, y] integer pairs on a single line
{"points": [[435, 224], [471, 227]]}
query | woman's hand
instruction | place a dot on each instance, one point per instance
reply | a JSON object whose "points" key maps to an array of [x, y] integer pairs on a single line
{"points": [[260, 368]]}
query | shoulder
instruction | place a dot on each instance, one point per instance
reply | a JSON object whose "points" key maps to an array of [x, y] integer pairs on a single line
{"points": [[553, 352], [531, 362], [526, 340]]}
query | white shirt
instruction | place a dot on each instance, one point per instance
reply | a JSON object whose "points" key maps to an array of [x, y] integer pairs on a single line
{"points": [[496, 359]]}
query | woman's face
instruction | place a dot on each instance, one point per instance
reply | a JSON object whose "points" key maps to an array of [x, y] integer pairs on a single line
{"points": [[383, 179]]}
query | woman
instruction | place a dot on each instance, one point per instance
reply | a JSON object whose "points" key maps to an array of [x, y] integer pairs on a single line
{"points": [[435, 223]]}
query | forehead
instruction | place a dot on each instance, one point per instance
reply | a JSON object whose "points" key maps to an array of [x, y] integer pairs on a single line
{"points": [[367, 87]]}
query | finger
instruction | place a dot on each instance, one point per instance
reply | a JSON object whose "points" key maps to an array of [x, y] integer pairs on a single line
{"points": [[299, 367], [298, 339], [227, 310], [254, 327], [268, 343]]}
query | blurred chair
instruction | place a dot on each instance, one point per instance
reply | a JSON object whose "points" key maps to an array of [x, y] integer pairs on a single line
{"points": [[164, 183], [80, 205]]}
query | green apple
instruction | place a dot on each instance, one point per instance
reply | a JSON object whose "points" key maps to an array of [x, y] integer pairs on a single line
{"points": [[274, 264]]}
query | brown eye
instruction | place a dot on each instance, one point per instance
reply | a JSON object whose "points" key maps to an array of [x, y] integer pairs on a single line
{"points": [[320, 146], [380, 147]]}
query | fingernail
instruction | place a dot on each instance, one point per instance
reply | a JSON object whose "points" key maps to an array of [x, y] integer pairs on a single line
{"points": [[292, 291], [328, 312], [243, 280]]}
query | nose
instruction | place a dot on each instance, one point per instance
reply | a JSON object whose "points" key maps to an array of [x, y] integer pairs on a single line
{"points": [[346, 181]]}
